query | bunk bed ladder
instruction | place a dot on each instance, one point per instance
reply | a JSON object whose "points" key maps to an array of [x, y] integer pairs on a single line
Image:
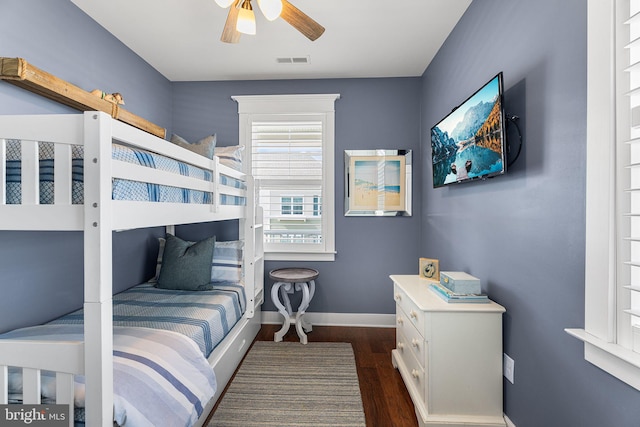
{"points": [[251, 233]]}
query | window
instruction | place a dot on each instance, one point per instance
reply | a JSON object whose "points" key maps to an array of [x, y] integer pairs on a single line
{"points": [[317, 206], [290, 150], [291, 205], [612, 278]]}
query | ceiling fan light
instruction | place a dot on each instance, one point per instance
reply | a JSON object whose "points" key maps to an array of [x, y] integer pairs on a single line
{"points": [[224, 3], [271, 9], [246, 23]]}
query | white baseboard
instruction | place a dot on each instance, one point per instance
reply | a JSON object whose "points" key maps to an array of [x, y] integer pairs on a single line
{"points": [[338, 319], [509, 422]]}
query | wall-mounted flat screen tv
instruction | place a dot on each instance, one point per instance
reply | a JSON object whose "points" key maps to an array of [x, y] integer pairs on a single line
{"points": [[469, 143]]}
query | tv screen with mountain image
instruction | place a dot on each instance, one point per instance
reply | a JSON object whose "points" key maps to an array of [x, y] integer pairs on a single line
{"points": [[469, 143]]}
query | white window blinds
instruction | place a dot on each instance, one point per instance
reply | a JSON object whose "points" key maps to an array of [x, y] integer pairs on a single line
{"points": [[290, 143], [629, 177], [612, 237], [287, 162]]}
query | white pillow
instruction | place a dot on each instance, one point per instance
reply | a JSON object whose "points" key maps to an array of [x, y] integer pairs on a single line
{"points": [[230, 156]]}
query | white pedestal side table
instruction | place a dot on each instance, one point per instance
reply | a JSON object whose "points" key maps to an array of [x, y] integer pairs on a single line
{"points": [[288, 280]]}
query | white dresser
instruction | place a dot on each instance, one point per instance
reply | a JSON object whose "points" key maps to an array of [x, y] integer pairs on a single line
{"points": [[449, 356]]}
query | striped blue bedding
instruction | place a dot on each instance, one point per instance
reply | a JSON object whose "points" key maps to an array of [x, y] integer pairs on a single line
{"points": [[159, 377], [167, 336], [122, 189], [204, 316]]}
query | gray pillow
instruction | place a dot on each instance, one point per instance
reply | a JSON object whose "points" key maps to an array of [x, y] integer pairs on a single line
{"points": [[204, 147], [186, 265], [230, 156]]}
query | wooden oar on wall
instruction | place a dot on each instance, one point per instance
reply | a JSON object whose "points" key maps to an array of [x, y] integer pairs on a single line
{"points": [[19, 72]]}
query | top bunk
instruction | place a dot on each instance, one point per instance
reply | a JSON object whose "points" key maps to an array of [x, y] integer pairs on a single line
{"points": [[74, 171]]}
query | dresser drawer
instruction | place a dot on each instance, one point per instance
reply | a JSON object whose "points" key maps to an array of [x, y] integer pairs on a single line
{"points": [[415, 373], [414, 341], [415, 316]]}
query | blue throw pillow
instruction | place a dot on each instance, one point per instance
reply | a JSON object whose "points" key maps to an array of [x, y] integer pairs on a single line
{"points": [[186, 265], [226, 265]]}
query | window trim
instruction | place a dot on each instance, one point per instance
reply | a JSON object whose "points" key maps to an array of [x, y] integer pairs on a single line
{"points": [[251, 107], [606, 343]]}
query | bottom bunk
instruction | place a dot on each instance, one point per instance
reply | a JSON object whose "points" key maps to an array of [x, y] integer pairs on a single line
{"points": [[165, 344]]}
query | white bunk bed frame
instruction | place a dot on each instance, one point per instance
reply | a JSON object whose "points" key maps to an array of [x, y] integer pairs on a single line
{"points": [[97, 218]]}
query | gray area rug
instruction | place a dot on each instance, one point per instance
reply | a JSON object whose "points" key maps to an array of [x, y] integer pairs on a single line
{"points": [[291, 384]]}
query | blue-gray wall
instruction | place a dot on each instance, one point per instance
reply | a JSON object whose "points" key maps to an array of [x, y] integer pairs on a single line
{"points": [[59, 38], [371, 113], [43, 271], [523, 233]]}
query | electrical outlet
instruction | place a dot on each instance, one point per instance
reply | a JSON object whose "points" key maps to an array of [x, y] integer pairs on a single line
{"points": [[508, 366]]}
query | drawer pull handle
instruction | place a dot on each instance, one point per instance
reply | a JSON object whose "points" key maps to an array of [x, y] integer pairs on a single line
{"points": [[415, 374], [400, 346], [398, 297], [413, 314], [415, 343], [400, 321]]}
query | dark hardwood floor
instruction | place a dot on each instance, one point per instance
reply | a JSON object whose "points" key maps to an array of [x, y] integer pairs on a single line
{"points": [[384, 397]]}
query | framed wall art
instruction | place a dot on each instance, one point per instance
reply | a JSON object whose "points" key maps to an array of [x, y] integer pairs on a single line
{"points": [[377, 182]]}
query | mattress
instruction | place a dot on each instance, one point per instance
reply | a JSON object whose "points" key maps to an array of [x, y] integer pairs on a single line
{"points": [[121, 189], [162, 339], [159, 377], [204, 316]]}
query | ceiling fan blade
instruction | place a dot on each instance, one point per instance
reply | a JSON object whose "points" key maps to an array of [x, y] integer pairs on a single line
{"points": [[300, 21], [229, 33]]}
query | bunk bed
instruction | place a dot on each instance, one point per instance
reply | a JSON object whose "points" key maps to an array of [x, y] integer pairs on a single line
{"points": [[87, 177]]}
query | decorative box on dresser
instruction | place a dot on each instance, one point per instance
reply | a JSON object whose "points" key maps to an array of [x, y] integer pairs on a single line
{"points": [[449, 356]]}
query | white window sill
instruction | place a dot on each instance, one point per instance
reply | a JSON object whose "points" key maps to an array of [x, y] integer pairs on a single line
{"points": [[618, 361], [300, 256]]}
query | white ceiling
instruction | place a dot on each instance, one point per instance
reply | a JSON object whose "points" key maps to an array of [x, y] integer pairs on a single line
{"points": [[373, 38]]}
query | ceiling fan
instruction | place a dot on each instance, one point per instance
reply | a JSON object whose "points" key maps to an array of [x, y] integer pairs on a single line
{"points": [[241, 19]]}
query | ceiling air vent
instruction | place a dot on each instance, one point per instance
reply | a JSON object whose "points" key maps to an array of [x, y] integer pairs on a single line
{"points": [[293, 60]]}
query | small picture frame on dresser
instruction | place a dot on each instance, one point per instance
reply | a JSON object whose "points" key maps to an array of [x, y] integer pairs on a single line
{"points": [[429, 268]]}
